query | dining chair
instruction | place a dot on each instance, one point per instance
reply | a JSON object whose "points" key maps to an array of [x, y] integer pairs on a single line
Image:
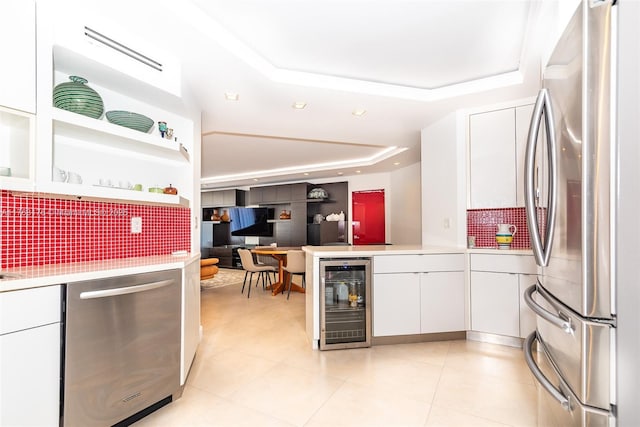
{"points": [[295, 265], [246, 258], [267, 260]]}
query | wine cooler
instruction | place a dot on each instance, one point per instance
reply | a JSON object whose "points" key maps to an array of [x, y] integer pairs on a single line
{"points": [[345, 303]]}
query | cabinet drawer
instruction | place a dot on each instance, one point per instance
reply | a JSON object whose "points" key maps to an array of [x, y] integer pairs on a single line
{"points": [[29, 308], [524, 264], [417, 263]]}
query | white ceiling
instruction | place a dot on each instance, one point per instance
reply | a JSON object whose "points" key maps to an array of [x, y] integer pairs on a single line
{"points": [[407, 63]]}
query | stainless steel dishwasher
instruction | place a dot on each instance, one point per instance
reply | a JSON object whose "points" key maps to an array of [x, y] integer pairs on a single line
{"points": [[121, 347]]}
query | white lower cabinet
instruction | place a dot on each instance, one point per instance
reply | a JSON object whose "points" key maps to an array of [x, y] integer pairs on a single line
{"points": [[30, 357], [396, 304], [190, 317], [527, 316], [442, 301], [495, 306], [498, 283], [418, 294]]}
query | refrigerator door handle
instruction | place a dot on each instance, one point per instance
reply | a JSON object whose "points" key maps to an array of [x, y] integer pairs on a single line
{"points": [[561, 322], [539, 375], [541, 251]]}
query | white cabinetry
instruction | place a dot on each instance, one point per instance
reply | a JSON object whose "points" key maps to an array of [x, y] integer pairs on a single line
{"points": [[30, 357], [497, 141], [17, 94], [396, 304], [190, 317], [498, 283], [18, 33], [442, 301], [494, 303], [109, 158], [415, 294]]}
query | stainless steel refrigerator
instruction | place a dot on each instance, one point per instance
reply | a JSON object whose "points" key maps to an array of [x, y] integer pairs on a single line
{"points": [[572, 198]]}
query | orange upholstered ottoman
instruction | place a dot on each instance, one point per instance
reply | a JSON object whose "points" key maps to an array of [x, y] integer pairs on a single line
{"points": [[208, 268]]}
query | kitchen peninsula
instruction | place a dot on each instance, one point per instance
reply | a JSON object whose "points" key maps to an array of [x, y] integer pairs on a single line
{"points": [[426, 293]]}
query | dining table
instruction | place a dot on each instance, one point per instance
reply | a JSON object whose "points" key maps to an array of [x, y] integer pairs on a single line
{"points": [[280, 254]]}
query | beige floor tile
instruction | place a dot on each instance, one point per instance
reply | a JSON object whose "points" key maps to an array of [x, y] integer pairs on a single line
{"points": [[496, 399], [226, 372], [255, 367], [358, 405], [199, 408], [287, 393], [446, 417]]}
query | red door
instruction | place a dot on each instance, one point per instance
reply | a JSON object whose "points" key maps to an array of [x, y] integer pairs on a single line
{"points": [[368, 217]]}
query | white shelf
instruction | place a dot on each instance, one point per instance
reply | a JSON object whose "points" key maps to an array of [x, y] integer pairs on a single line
{"points": [[92, 192], [102, 132]]}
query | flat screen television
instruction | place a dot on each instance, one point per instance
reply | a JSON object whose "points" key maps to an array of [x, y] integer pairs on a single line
{"points": [[251, 221]]}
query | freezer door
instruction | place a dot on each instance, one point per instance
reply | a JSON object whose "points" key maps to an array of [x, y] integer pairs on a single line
{"points": [[579, 348], [577, 81], [558, 405]]}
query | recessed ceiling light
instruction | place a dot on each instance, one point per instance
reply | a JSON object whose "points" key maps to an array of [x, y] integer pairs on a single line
{"points": [[299, 105], [357, 171], [306, 174], [256, 179], [340, 173], [359, 112], [231, 96], [396, 163]]}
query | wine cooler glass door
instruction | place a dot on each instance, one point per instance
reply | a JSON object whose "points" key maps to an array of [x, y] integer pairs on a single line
{"points": [[345, 303]]}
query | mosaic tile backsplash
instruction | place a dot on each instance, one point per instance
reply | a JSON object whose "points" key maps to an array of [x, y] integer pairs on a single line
{"points": [[483, 224], [39, 230]]}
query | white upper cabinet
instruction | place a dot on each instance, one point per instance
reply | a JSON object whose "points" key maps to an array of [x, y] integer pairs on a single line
{"points": [[18, 33], [129, 74], [492, 159], [497, 142], [523, 118]]}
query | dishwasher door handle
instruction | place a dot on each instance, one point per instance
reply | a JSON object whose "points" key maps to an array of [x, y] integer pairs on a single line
{"points": [[126, 290]]}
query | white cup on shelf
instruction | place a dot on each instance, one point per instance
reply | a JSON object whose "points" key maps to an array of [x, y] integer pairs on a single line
{"points": [[58, 175]]}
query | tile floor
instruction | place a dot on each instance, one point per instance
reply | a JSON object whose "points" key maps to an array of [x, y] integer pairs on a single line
{"points": [[255, 367]]}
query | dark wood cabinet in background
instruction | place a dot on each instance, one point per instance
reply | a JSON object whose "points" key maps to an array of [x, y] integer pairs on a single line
{"points": [[223, 198]]}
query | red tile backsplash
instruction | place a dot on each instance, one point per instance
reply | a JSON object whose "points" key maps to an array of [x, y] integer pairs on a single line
{"points": [[40, 230], [483, 224]]}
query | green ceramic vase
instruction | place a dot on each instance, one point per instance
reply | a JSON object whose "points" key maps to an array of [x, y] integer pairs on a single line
{"points": [[76, 96]]}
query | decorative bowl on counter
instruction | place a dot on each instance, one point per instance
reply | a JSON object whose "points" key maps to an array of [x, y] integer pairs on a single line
{"points": [[318, 193], [77, 97], [130, 120]]}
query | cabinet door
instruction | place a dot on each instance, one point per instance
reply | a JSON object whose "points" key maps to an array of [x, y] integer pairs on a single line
{"points": [[523, 118], [492, 159], [18, 31], [283, 193], [269, 194], [190, 317], [255, 195], [495, 303], [527, 317], [30, 377], [229, 198], [442, 302], [206, 199], [396, 304]]}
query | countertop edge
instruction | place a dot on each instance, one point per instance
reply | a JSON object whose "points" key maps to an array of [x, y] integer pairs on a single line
{"points": [[48, 275], [357, 251]]}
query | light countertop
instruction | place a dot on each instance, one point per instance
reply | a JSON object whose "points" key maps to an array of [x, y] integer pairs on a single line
{"points": [[366, 250], [53, 274]]}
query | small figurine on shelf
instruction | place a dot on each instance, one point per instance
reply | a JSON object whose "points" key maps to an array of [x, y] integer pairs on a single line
{"points": [[225, 216], [215, 216], [169, 133], [162, 127]]}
